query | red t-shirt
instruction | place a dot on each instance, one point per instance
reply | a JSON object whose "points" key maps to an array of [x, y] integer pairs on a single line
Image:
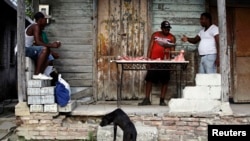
{"points": [[157, 50]]}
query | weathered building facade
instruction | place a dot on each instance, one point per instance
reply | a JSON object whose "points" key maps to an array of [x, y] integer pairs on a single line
{"points": [[93, 32]]}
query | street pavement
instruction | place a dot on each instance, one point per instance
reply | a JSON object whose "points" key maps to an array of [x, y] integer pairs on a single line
{"points": [[8, 122]]}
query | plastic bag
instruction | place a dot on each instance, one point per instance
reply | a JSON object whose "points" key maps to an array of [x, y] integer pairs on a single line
{"points": [[66, 84], [62, 92]]}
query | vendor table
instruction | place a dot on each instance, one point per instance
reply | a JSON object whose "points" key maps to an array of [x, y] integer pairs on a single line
{"points": [[137, 65]]}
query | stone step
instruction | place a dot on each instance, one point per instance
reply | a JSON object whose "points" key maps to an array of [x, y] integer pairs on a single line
{"points": [[38, 83], [41, 91], [202, 92], [144, 133], [78, 93], [208, 79], [69, 107], [189, 106], [43, 99], [194, 105]]}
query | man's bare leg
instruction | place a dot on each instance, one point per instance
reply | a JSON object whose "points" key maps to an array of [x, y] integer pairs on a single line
{"points": [[41, 60], [163, 93], [164, 89], [146, 100], [148, 89]]}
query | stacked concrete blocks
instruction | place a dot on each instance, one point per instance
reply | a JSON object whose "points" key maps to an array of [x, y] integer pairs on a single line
{"points": [[41, 95]]}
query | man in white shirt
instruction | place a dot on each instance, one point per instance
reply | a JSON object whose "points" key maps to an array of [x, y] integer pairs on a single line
{"points": [[209, 44]]}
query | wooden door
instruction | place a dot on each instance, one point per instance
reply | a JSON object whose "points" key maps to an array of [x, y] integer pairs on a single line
{"points": [[242, 65], [121, 31]]}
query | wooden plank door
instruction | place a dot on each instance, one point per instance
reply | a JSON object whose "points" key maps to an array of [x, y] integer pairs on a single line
{"points": [[242, 65], [122, 30]]}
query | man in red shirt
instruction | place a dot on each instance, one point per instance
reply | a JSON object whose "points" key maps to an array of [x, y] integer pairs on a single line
{"points": [[159, 48]]}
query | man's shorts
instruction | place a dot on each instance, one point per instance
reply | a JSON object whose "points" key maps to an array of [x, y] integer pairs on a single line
{"points": [[156, 76], [34, 51], [50, 57]]}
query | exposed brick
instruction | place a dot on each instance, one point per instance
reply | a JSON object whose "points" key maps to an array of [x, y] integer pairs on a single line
{"points": [[180, 123], [60, 127], [193, 123], [33, 121], [45, 121], [171, 118], [33, 133], [48, 133], [156, 123], [169, 123]]}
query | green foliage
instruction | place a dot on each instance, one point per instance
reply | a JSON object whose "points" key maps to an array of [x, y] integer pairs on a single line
{"points": [[29, 8], [91, 136]]}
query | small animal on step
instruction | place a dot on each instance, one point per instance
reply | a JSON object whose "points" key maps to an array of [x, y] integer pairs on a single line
{"points": [[119, 118]]}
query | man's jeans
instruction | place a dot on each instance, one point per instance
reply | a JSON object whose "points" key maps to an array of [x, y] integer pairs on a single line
{"points": [[207, 64]]}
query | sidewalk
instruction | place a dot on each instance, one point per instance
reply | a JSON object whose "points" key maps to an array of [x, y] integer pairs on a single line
{"points": [[8, 122]]}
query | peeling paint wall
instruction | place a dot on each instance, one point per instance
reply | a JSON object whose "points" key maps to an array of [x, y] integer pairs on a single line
{"points": [[122, 31]]}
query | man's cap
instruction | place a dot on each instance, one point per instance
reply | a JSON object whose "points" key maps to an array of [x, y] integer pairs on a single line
{"points": [[165, 24], [40, 15]]}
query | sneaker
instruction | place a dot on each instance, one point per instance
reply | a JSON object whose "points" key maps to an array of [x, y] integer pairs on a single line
{"points": [[42, 77], [145, 101]]}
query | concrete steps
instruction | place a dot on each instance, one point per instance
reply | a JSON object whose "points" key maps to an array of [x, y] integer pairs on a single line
{"points": [[205, 97]]}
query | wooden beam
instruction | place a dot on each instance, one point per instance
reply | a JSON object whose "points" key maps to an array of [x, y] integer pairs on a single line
{"points": [[21, 53], [224, 51]]}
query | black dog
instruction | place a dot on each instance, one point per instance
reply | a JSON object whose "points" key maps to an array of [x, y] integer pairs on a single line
{"points": [[119, 118]]}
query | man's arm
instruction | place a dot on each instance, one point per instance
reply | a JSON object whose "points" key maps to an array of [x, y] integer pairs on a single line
{"points": [[194, 40], [38, 39]]}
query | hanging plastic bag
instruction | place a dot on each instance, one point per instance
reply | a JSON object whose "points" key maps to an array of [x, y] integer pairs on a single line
{"points": [[62, 92]]}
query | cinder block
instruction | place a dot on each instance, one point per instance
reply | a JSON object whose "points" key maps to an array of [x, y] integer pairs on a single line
{"points": [[47, 99], [35, 100], [44, 99], [69, 107], [51, 108], [208, 79], [36, 108], [33, 91], [38, 83], [48, 90]]}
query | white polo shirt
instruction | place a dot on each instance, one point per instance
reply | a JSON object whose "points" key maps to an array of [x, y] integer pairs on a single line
{"points": [[207, 43]]}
